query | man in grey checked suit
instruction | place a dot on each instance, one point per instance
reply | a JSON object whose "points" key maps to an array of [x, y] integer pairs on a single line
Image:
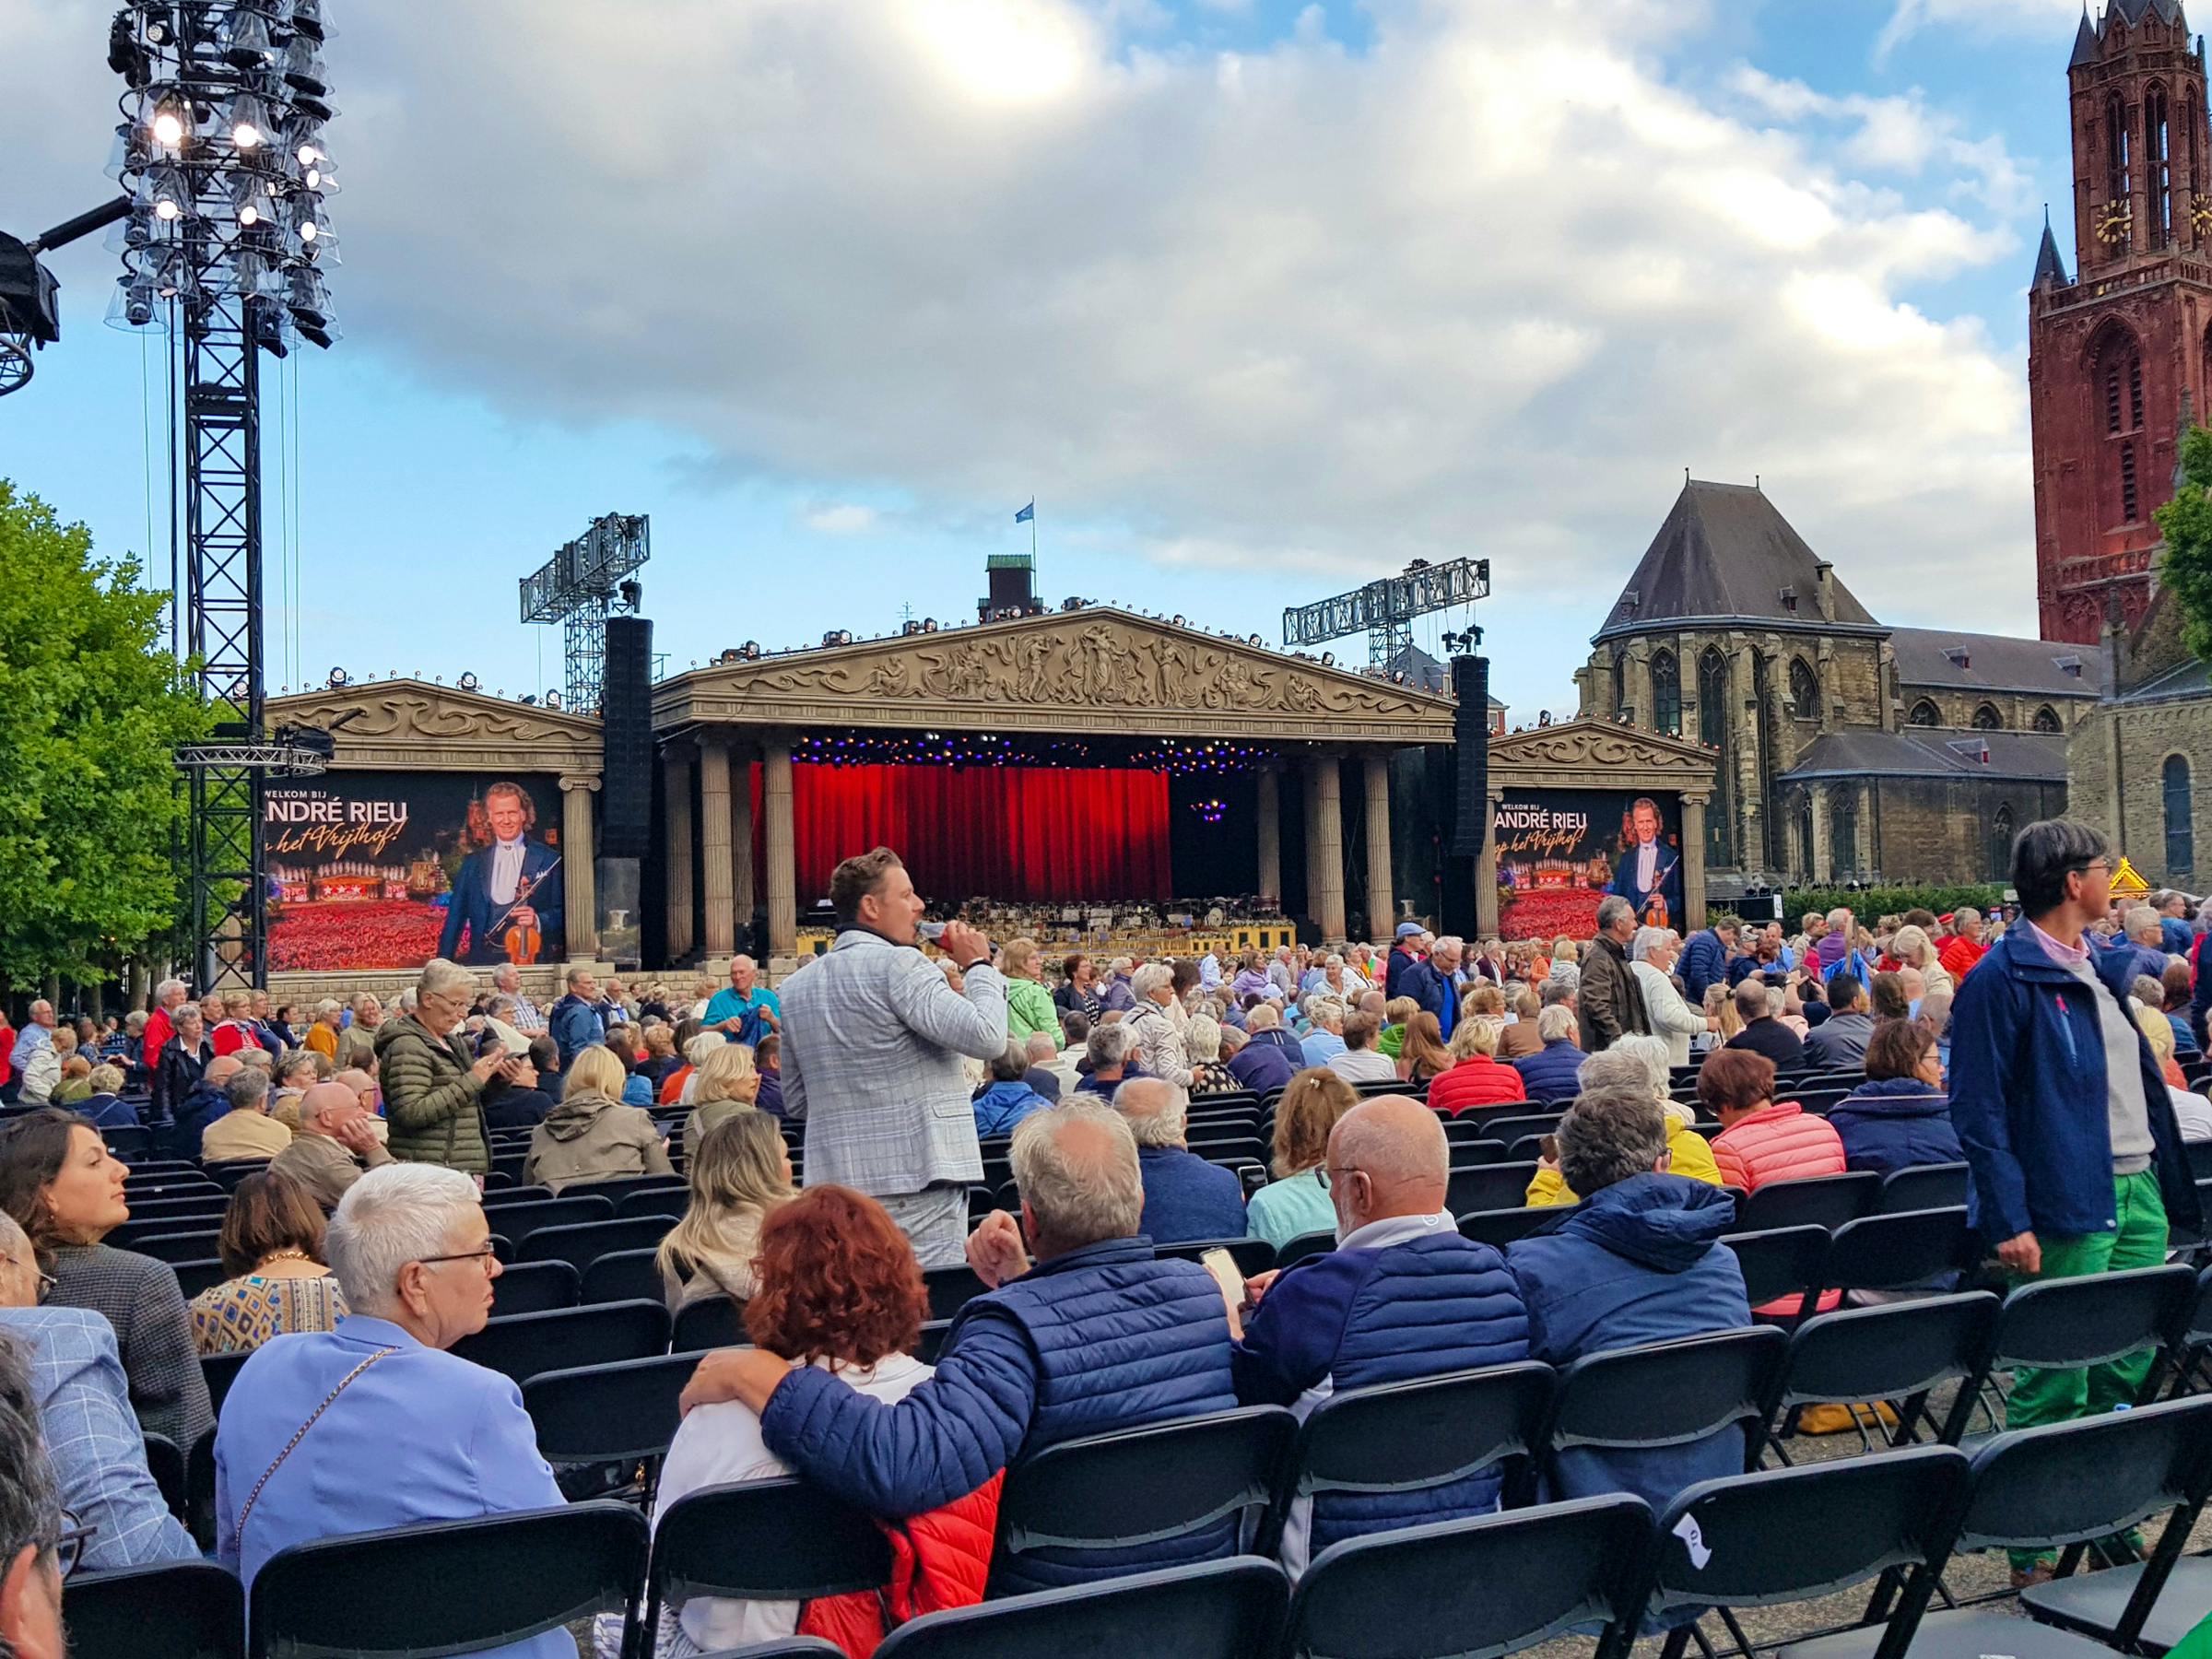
{"points": [[873, 1039]]}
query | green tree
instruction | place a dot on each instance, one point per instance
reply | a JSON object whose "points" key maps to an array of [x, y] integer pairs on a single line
{"points": [[91, 707], [2186, 568]]}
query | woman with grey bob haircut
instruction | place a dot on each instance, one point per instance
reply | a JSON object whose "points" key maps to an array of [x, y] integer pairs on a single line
{"points": [[1612, 1132], [409, 1213]]}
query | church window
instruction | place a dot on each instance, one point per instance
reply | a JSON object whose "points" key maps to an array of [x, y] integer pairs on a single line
{"points": [[1924, 714], [1805, 690], [2158, 163], [2128, 500], [2181, 835], [2000, 844], [1843, 831], [1805, 841], [1713, 728], [2135, 394], [1666, 693], [2046, 720], [2111, 398], [1987, 719], [2115, 155]]}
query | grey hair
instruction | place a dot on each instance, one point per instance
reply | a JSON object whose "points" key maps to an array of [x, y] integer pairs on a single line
{"points": [[1148, 979], [439, 976], [1450, 944], [1556, 993], [1327, 1012], [395, 1213], [1108, 1045], [327, 1005], [1610, 1133], [499, 1006], [1610, 909], [30, 1500], [1652, 1052], [188, 1011], [700, 1047], [1075, 1199], [1202, 1040], [1648, 942], [1839, 916], [1555, 1022], [2141, 919], [1618, 1069], [362, 999], [1152, 1107], [506, 970], [1047, 1051], [246, 1090]]}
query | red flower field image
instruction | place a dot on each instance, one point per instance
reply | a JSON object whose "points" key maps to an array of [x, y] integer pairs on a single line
{"points": [[342, 934]]}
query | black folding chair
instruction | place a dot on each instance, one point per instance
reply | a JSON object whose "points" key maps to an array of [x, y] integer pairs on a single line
{"points": [[581, 1244], [1900, 1353], [175, 1246], [165, 1462], [951, 1288], [219, 1371], [1490, 1187], [501, 1198], [1817, 1201], [1779, 1262], [1303, 1246], [196, 1277], [1668, 1394], [518, 1221], [128, 1141], [1229, 1609], [523, 1345], [762, 1540], [1793, 1534], [1508, 1130], [625, 1276], [1405, 1439], [621, 1413], [197, 1608], [535, 1288], [1251, 1255], [1140, 1486], [2192, 1340], [1906, 1250], [508, 1578], [1924, 1186], [653, 1201], [711, 1322], [1478, 1154], [623, 1187], [1500, 1229], [1492, 1585]]}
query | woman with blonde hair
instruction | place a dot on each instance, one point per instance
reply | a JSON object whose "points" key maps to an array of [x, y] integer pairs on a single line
{"points": [[1422, 1057], [1201, 1046], [1566, 962], [1475, 1077], [728, 1083], [1396, 1014], [592, 1135], [1029, 1005], [1912, 947], [739, 1171], [1297, 1202]]}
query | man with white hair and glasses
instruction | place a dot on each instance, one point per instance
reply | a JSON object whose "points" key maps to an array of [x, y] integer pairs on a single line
{"points": [[374, 1424]]}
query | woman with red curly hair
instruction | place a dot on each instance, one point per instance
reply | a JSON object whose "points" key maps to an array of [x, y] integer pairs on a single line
{"points": [[838, 1286]]}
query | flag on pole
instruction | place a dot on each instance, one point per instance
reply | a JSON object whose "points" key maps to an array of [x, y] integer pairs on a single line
{"points": [[1028, 516]]}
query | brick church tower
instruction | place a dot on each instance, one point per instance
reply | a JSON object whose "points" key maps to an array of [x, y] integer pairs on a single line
{"points": [[2120, 355]]}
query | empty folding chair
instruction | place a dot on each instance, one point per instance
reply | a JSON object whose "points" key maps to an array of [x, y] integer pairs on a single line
{"points": [[950, 1290], [1411, 1449], [1817, 1201], [1924, 1186], [1908, 1250], [175, 1246], [1663, 1397], [1189, 1478], [622, 1187], [2187, 1348], [1781, 1262], [1898, 1353], [518, 1221], [165, 1462], [1496, 1186], [499, 1198], [196, 1277], [1493, 1585], [1478, 1154], [507, 1578], [670, 1201], [1303, 1246], [711, 1322], [535, 1288], [2056, 1488], [761, 1540], [1251, 1255], [526, 1344], [1499, 1228], [1216, 1610], [1793, 1535], [621, 1413], [625, 1276], [197, 1606]]}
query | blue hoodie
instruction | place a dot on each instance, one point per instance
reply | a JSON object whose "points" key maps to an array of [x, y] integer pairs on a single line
{"points": [[1003, 1105], [1894, 1123], [1637, 1262]]}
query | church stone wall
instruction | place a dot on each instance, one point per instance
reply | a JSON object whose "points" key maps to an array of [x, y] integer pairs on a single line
{"points": [[2116, 763]]}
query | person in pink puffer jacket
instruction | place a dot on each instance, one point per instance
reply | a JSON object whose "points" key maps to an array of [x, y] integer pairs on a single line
{"points": [[1760, 1141]]}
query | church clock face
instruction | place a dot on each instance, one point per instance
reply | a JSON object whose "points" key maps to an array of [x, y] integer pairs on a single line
{"points": [[2200, 213], [2113, 228]]}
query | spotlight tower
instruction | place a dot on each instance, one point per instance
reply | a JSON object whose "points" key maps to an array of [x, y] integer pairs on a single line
{"points": [[220, 153]]}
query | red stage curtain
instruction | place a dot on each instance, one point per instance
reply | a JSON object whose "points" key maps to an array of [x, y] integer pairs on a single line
{"points": [[1013, 833]]}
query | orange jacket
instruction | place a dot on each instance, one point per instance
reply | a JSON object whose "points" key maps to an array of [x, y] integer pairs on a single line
{"points": [[1783, 1143], [940, 1560], [1959, 954], [1478, 1080]]}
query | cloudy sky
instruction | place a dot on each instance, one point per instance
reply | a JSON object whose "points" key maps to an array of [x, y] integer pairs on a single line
{"points": [[1259, 300]]}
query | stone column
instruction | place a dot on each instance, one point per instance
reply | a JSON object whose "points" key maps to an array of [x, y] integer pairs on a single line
{"points": [[1380, 907], [1270, 815], [718, 936], [742, 898], [1693, 864], [1823, 854], [1485, 872], [1324, 854], [676, 763], [781, 853], [579, 882]]}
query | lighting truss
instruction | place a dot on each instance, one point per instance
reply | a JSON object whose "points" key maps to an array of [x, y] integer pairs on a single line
{"points": [[224, 250], [578, 586], [1384, 610]]}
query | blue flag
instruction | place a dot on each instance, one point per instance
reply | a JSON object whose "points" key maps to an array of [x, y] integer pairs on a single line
{"points": [[1027, 514]]}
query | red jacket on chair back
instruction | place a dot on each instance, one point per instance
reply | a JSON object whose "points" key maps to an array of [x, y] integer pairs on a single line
{"points": [[940, 1560]]}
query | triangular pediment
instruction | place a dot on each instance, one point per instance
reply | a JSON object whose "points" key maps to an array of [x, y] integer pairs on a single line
{"points": [[1604, 745], [410, 723], [1089, 672]]}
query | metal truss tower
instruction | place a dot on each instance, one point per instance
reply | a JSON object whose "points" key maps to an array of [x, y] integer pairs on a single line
{"points": [[1385, 610], [579, 586]]}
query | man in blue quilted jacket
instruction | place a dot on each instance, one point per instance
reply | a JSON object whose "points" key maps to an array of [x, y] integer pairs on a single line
{"points": [[1402, 1296], [1094, 1335]]}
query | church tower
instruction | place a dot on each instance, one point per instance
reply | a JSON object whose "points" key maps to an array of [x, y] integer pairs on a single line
{"points": [[2121, 353]]}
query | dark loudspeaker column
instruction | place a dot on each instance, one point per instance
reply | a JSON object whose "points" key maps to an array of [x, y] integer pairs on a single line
{"points": [[626, 728], [1471, 739]]}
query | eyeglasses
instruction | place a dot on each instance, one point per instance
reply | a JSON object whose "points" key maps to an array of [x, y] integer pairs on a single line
{"points": [[46, 1280], [1327, 1177], [69, 1549], [483, 1256], [2097, 864]]}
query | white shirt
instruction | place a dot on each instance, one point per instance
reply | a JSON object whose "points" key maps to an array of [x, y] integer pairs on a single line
{"points": [[2193, 1112], [1647, 862], [1364, 1065], [718, 1444], [506, 870]]}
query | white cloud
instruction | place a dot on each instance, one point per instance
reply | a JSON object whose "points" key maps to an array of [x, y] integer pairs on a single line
{"points": [[1485, 287], [1984, 17], [840, 518]]}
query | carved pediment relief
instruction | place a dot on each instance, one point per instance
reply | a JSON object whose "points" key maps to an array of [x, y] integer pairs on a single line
{"points": [[406, 723], [1586, 745]]}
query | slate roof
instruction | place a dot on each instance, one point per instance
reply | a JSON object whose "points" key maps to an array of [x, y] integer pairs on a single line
{"points": [[2193, 678], [2028, 757], [1996, 663], [1727, 551], [2049, 265]]}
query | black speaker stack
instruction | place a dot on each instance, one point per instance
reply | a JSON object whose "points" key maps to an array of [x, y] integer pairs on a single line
{"points": [[625, 723], [1471, 745]]}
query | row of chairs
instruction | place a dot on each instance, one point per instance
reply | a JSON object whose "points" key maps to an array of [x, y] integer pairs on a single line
{"points": [[1493, 1585]]}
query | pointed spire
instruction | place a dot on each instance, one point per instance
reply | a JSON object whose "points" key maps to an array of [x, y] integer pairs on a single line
{"points": [[2049, 266], [2085, 42]]}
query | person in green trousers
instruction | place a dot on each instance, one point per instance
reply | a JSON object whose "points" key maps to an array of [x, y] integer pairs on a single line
{"points": [[2076, 1156]]}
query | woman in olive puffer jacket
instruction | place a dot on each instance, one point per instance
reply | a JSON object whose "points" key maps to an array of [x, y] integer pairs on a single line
{"points": [[433, 1095]]}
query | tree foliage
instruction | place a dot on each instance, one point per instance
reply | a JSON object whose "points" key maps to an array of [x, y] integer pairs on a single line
{"points": [[2186, 521], [91, 707]]}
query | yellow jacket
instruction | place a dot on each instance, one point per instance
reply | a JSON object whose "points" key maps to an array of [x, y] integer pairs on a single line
{"points": [[1692, 1156]]}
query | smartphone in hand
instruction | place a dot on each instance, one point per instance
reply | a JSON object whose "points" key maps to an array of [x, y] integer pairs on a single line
{"points": [[1223, 1267]]}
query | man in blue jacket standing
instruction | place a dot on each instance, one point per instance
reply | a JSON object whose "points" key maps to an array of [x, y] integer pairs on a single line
{"points": [[1402, 1296], [2075, 1158], [574, 1020], [1705, 959]]}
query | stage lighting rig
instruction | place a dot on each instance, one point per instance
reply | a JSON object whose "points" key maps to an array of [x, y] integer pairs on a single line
{"points": [[1384, 610], [226, 244], [578, 586]]}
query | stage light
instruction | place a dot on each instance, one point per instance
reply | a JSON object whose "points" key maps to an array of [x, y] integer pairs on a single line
{"points": [[249, 121], [633, 593], [247, 40], [338, 679], [470, 682], [552, 699], [170, 123], [1328, 659]]}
